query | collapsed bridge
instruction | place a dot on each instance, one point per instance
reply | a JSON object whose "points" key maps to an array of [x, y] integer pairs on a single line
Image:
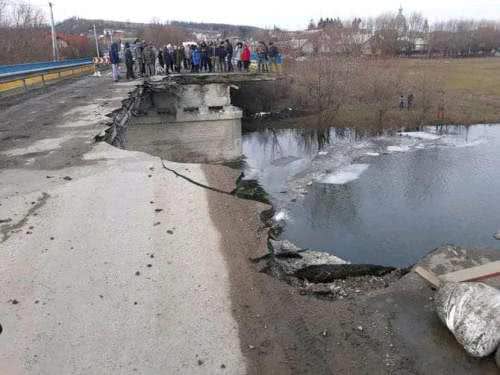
{"points": [[183, 117]]}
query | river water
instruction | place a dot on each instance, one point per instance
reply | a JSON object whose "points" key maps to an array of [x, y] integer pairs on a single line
{"points": [[383, 200]]}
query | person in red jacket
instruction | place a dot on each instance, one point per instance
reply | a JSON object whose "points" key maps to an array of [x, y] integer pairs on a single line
{"points": [[245, 57]]}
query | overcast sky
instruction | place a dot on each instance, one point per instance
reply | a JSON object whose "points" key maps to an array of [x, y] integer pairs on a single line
{"points": [[290, 14]]}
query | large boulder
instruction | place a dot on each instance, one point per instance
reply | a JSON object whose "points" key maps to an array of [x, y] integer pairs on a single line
{"points": [[471, 311]]}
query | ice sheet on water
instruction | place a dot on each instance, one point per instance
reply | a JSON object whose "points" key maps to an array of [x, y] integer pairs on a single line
{"points": [[281, 216], [372, 154], [345, 174], [421, 135], [402, 148]]}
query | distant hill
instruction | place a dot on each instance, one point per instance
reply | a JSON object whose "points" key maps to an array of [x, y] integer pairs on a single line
{"points": [[76, 25]]}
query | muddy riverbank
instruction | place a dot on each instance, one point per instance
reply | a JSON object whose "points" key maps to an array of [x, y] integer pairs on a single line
{"points": [[391, 328]]}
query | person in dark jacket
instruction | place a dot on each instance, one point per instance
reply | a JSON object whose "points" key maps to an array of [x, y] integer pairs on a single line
{"points": [[204, 56], [229, 55], [129, 62], [114, 56], [160, 59], [211, 57], [167, 59], [220, 53], [273, 57]]}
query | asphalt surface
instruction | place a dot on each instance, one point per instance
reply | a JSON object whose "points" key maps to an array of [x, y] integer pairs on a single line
{"points": [[108, 263]]}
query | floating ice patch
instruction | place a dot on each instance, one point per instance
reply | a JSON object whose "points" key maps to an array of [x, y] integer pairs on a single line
{"points": [[398, 148], [323, 153], [372, 154], [476, 142], [421, 135], [345, 175], [280, 216]]}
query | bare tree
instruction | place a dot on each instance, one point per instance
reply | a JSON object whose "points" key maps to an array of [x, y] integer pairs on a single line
{"points": [[322, 86], [161, 34], [26, 15]]}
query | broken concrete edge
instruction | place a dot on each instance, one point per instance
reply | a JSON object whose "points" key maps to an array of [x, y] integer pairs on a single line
{"points": [[322, 274], [207, 78], [116, 131]]}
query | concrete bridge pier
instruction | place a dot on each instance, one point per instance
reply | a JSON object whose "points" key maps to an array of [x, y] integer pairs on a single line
{"points": [[189, 119]]}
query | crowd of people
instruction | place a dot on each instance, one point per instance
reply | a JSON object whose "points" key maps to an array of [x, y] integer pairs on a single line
{"points": [[143, 59]]}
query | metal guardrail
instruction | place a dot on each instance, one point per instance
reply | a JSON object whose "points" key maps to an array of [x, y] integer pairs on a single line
{"points": [[20, 69], [26, 76]]}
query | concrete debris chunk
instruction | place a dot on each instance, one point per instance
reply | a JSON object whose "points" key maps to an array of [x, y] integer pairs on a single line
{"points": [[471, 311]]}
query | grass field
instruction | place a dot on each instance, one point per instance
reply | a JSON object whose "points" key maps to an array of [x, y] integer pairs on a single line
{"points": [[467, 89], [471, 87]]}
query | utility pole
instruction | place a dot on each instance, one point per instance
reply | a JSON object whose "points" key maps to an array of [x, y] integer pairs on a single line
{"points": [[53, 28], [96, 43]]}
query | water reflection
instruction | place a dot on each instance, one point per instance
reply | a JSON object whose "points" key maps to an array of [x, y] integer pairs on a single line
{"points": [[444, 190]]}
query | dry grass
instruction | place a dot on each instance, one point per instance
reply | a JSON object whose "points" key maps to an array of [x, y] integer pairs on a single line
{"points": [[469, 89]]}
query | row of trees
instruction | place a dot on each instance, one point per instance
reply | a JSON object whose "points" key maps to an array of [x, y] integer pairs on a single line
{"points": [[23, 31], [161, 34], [26, 36], [395, 34]]}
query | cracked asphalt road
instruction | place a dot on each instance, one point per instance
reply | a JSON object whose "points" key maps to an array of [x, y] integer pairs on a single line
{"points": [[108, 262]]}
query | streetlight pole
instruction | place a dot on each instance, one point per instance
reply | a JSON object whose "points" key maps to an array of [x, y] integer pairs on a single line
{"points": [[96, 43], [53, 28]]}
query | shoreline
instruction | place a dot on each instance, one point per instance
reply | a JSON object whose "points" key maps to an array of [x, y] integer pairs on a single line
{"points": [[283, 330]]}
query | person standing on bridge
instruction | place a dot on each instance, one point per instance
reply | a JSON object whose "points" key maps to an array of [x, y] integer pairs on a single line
{"points": [[204, 56], [211, 56], [149, 60], [245, 57], [114, 56], [273, 57], [161, 61], [178, 57], [187, 57], [182, 50], [196, 59], [220, 53], [229, 56], [167, 59], [237, 56], [129, 62], [261, 57], [139, 57]]}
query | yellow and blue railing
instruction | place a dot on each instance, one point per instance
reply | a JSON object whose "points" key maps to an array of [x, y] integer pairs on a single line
{"points": [[22, 77]]}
